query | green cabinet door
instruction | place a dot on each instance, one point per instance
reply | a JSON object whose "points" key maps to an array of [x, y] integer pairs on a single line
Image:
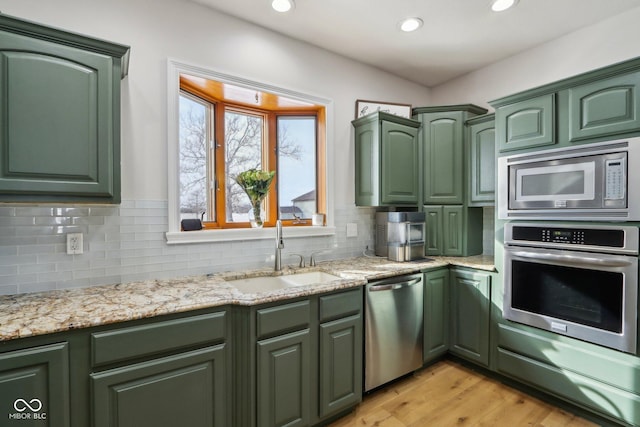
{"points": [[603, 108], [526, 124], [443, 170], [470, 315], [340, 362], [386, 160], [34, 387], [187, 389], [367, 159], [482, 161], [59, 115], [453, 230], [284, 380], [400, 164], [433, 244], [436, 314]]}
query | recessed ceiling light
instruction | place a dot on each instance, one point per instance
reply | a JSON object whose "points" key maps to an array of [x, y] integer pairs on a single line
{"points": [[500, 5], [282, 5], [411, 24]]}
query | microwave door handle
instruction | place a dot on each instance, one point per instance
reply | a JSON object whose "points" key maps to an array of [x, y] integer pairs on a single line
{"points": [[573, 260]]}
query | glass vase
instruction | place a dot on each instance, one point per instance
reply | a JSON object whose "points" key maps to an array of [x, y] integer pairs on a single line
{"points": [[258, 216]]}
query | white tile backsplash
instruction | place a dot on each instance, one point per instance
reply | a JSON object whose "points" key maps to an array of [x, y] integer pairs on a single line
{"points": [[488, 225], [126, 243]]}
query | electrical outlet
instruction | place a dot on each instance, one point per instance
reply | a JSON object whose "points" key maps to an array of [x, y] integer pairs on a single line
{"points": [[74, 243], [352, 229]]}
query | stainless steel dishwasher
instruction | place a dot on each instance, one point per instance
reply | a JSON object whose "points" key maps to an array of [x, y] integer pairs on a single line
{"points": [[393, 329]]}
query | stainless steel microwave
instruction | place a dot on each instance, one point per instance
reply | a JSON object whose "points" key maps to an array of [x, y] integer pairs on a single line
{"points": [[586, 182]]}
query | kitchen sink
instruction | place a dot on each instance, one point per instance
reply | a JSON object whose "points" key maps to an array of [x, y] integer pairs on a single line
{"points": [[270, 283]]}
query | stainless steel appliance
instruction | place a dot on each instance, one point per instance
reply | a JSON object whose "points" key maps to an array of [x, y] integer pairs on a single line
{"points": [[575, 280], [400, 235], [393, 329], [586, 182]]}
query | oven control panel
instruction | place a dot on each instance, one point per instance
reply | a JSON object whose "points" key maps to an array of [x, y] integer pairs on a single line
{"points": [[575, 237], [609, 237]]}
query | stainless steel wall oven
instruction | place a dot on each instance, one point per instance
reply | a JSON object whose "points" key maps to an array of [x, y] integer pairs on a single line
{"points": [[575, 280]]}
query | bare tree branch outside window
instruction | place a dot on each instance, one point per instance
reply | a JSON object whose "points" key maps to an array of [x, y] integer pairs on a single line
{"points": [[243, 147], [193, 158]]}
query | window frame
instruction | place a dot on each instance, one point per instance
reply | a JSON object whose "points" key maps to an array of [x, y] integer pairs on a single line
{"points": [[325, 183]]}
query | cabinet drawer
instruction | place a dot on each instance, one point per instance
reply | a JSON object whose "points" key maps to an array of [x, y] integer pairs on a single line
{"points": [[620, 370], [139, 341], [282, 318], [340, 305], [578, 389]]}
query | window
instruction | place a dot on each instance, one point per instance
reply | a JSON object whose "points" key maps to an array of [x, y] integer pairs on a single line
{"points": [[297, 167], [226, 129]]}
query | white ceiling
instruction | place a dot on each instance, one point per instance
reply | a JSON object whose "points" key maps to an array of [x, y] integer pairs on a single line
{"points": [[458, 36]]}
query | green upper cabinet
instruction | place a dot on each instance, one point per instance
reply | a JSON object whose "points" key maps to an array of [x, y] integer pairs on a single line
{"points": [[602, 108], [59, 115], [527, 123], [442, 139], [482, 160], [595, 106], [387, 161]]}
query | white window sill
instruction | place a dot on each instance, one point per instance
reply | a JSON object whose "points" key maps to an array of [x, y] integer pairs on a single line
{"points": [[227, 235]]}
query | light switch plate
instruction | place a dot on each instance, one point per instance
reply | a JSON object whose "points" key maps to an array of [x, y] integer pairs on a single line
{"points": [[352, 229]]}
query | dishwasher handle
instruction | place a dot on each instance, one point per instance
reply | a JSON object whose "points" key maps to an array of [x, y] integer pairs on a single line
{"points": [[394, 285]]}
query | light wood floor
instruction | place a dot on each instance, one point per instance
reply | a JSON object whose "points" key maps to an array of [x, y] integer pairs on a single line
{"points": [[448, 394]]}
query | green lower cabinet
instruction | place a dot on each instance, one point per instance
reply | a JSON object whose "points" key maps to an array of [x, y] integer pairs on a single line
{"points": [[453, 230], [305, 364], [470, 315], [436, 314], [184, 389], [34, 387], [340, 362], [284, 380]]}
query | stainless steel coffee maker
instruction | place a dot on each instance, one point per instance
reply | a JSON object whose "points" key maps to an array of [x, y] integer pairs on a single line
{"points": [[400, 236]]}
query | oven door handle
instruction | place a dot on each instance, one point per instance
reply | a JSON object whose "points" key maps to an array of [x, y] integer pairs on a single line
{"points": [[573, 260]]}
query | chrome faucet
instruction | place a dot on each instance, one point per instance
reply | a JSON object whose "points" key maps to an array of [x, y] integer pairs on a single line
{"points": [[279, 246]]}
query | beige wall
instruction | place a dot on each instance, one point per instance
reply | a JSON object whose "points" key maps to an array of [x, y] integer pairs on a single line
{"points": [[613, 40]]}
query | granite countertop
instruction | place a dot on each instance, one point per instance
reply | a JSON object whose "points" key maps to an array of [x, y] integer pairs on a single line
{"points": [[25, 315]]}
